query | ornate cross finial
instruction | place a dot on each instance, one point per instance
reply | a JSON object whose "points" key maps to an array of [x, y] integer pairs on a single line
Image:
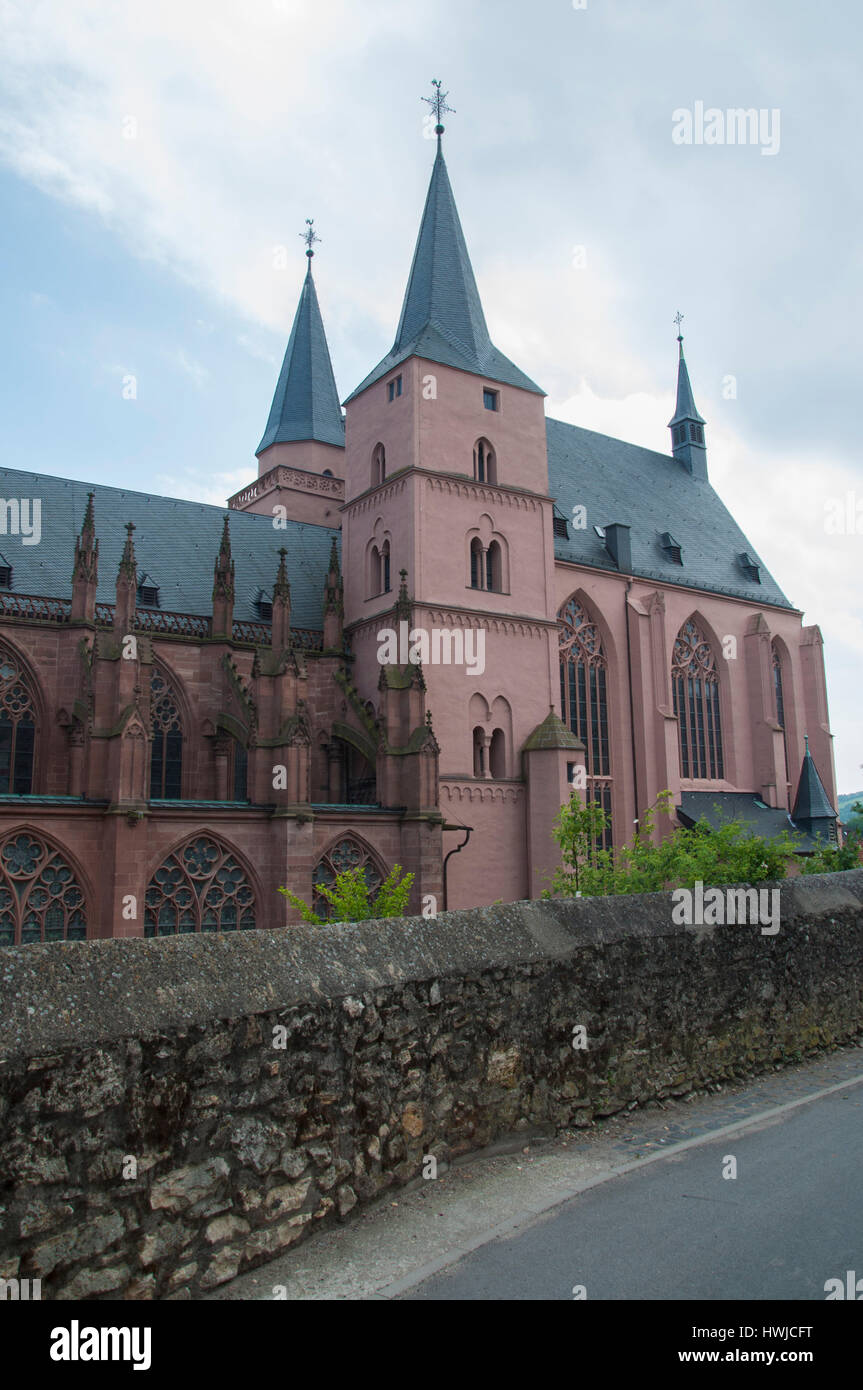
{"points": [[678, 319], [439, 106], [310, 236]]}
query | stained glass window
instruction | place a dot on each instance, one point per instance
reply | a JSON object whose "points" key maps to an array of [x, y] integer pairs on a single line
{"points": [[584, 699], [345, 854], [166, 759], [17, 727], [40, 897], [200, 887], [695, 682]]}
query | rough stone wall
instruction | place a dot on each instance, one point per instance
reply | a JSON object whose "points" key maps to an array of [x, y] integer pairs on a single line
{"points": [[403, 1038]]}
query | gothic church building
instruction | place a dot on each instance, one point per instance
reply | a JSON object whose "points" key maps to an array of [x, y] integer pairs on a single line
{"points": [[193, 711]]}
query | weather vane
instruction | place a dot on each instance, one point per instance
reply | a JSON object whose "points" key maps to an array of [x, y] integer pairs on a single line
{"points": [[678, 319], [439, 106], [310, 236]]}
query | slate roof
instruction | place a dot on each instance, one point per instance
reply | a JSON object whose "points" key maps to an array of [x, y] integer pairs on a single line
{"points": [[652, 493], [442, 317], [719, 807], [551, 733], [306, 402], [685, 409], [811, 802], [176, 544]]}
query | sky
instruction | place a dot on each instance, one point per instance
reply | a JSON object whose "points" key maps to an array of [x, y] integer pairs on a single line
{"points": [[158, 161]]}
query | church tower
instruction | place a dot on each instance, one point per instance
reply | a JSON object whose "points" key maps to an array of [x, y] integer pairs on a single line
{"points": [[301, 454], [447, 478], [686, 425]]}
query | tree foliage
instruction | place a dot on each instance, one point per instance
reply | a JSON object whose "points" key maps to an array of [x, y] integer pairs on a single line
{"points": [[351, 900], [715, 856]]}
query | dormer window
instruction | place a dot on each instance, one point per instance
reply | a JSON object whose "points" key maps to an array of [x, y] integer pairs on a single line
{"points": [[750, 568], [394, 388], [5, 573], [672, 548], [490, 399], [560, 527], [148, 592], [264, 605]]}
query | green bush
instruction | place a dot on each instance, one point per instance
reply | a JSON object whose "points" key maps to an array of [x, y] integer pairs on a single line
{"points": [[729, 854], [351, 900]]}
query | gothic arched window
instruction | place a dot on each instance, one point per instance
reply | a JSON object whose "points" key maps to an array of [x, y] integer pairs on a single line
{"points": [[379, 464], [497, 753], [584, 699], [199, 887], [494, 567], [475, 563], [238, 772], [385, 567], [479, 768], [780, 699], [345, 854], [40, 897], [17, 727], [695, 681], [166, 758], [484, 462]]}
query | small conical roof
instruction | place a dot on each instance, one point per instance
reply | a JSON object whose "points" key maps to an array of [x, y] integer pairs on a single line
{"points": [[685, 400], [811, 802], [306, 402]]}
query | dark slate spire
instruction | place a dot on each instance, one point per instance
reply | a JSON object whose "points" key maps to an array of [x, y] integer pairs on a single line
{"points": [[442, 317], [306, 403], [686, 425], [812, 810]]}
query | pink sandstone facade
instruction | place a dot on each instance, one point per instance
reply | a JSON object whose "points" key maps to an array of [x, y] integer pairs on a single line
{"points": [[167, 768]]}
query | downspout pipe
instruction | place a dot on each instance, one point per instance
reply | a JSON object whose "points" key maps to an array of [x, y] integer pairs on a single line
{"points": [[468, 829]]}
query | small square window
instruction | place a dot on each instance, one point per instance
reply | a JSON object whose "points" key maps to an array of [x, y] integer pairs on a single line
{"points": [[490, 399]]}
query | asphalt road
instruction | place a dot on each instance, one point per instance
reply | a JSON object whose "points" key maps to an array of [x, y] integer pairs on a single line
{"points": [[633, 1208], [675, 1228]]}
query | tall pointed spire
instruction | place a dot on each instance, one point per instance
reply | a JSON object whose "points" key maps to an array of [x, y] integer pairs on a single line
{"points": [[306, 402], [686, 425], [126, 588], [85, 572], [280, 632], [442, 317], [334, 602]]}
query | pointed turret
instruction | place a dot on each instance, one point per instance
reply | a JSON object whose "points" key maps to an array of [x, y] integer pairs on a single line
{"points": [[127, 586], [223, 587], [334, 603], [85, 574], [812, 810], [686, 425], [442, 318], [281, 632], [306, 403]]}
